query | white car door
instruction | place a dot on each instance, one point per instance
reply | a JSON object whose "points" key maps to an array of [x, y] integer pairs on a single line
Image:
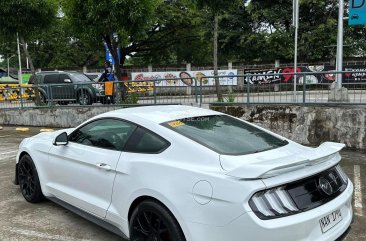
{"points": [[83, 171]]}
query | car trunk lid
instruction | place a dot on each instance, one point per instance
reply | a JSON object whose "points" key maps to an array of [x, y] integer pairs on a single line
{"points": [[279, 161]]}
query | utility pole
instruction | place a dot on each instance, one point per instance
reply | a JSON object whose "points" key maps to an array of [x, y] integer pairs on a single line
{"points": [[9, 64], [20, 62], [339, 61], [26, 46], [296, 25]]}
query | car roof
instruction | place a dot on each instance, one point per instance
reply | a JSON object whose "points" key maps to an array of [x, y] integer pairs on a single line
{"points": [[160, 113], [59, 72]]}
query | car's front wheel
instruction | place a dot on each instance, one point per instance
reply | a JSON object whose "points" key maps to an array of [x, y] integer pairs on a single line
{"points": [[28, 180], [152, 221]]}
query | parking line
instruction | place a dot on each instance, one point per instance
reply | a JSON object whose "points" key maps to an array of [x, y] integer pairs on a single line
{"points": [[5, 159], [36, 234], [5, 136], [8, 152], [358, 191]]}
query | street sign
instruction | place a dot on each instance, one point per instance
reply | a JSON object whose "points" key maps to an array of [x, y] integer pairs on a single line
{"points": [[357, 12]]}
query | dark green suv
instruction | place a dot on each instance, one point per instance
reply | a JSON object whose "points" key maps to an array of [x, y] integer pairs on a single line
{"points": [[65, 87]]}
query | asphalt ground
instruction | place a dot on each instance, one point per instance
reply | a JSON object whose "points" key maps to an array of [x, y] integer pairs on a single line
{"points": [[23, 221]]}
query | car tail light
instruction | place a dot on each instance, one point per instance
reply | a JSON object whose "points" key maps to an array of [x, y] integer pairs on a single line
{"points": [[342, 174], [273, 203], [289, 199]]}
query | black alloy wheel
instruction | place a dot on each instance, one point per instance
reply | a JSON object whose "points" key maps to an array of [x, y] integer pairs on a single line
{"points": [[29, 181], [84, 98], [151, 221]]}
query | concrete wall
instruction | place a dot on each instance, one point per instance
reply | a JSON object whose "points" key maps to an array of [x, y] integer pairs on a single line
{"points": [[57, 117], [309, 125]]}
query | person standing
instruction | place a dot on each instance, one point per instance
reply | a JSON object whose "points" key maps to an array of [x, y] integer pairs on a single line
{"points": [[108, 77], [107, 74]]}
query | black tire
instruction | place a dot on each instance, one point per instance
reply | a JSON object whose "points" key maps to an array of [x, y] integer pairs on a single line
{"points": [[29, 181], [63, 102], [152, 221], [84, 98]]}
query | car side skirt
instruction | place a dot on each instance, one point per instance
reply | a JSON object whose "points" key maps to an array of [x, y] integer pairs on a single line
{"points": [[89, 217]]}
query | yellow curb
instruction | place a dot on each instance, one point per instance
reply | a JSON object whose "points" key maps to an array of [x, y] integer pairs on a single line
{"points": [[22, 129], [46, 130]]}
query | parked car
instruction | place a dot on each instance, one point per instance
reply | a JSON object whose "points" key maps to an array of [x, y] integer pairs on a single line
{"points": [[176, 173], [65, 87]]}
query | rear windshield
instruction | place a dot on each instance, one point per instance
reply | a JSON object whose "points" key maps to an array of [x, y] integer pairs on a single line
{"points": [[225, 135]]}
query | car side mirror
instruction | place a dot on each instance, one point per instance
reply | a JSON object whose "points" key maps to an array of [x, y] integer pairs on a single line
{"points": [[67, 81], [61, 140]]}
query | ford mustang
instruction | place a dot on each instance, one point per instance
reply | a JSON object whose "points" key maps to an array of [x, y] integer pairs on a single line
{"points": [[179, 173]]}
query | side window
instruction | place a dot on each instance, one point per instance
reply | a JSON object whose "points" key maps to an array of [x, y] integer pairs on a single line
{"points": [[144, 141], [51, 79], [63, 77], [106, 133]]}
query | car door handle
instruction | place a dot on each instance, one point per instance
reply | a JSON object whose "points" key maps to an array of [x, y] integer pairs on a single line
{"points": [[103, 166]]}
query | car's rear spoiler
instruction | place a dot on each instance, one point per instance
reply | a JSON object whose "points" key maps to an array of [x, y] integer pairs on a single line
{"points": [[282, 165]]}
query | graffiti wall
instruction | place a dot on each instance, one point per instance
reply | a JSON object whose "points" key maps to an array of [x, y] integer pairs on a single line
{"points": [[185, 78], [285, 75]]}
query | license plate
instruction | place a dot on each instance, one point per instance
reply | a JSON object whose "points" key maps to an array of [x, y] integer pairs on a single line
{"points": [[329, 221]]}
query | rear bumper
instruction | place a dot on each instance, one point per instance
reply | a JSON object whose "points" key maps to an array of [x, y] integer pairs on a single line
{"points": [[300, 227]]}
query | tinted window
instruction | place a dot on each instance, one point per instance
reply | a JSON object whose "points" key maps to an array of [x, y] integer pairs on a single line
{"points": [[106, 133], [51, 79], [78, 77], [225, 134], [63, 77], [144, 141], [92, 76]]}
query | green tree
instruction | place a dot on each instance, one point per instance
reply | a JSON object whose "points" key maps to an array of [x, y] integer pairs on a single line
{"points": [[115, 22], [25, 18], [62, 47], [215, 9], [317, 29], [176, 37]]}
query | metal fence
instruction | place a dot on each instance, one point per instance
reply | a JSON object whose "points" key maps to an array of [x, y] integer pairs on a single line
{"points": [[298, 88]]}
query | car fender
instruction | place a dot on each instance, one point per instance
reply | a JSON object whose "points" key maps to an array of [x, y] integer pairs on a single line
{"points": [[42, 181], [153, 194], [38, 148]]}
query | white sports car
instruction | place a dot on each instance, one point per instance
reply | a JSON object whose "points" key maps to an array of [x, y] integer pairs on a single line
{"points": [[178, 173]]}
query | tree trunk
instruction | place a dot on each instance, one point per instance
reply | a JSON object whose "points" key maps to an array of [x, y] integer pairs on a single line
{"points": [[33, 70], [215, 39], [112, 47]]}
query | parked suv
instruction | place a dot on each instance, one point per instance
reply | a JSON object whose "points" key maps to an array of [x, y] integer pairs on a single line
{"points": [[65, 87]]}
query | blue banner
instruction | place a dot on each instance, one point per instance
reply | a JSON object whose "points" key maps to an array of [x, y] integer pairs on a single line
{"points": [[357, 12], [108, 55]]}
